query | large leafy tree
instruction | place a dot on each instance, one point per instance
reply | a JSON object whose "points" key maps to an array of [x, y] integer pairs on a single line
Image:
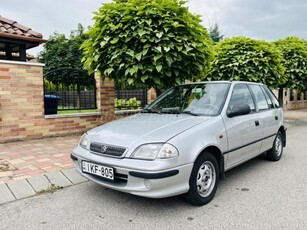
{"points": [[294, 51], [62, 58], [157, 43], [246, 59]]}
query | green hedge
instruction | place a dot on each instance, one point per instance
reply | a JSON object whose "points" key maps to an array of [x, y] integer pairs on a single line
{"points": [[127, 104]]}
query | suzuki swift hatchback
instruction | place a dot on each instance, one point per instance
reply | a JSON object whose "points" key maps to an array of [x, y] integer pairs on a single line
{"points": [[184, 141]]}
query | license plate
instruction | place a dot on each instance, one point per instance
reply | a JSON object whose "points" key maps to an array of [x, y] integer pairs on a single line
{"points": [[98, 170]]}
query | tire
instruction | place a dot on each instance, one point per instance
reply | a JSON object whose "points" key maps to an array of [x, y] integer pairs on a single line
{"points": [[203, 180], [274, 154]]}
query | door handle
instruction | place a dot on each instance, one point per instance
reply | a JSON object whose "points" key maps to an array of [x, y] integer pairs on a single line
{"points": [[276, 118], [257, 123]]}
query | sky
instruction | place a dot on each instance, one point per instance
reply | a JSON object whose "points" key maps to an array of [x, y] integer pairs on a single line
{"points": [[260, 19]]}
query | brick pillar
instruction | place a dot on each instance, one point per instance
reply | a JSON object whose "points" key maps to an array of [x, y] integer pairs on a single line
{"points": [[295, 94], [105, 98], [21, 98], [151, 95], [286, 102]]}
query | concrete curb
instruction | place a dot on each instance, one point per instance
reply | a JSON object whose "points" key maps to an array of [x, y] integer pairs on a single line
{"points": [[37, 184]]}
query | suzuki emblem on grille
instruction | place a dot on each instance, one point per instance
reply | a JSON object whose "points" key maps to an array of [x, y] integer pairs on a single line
{"points": [[103, 149]]}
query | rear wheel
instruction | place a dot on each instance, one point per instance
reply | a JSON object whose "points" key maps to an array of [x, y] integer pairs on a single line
{"points": [[274, 154], [204, 180]]}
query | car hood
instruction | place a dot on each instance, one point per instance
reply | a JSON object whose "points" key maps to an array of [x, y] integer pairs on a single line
{"points": [[143, 128]]}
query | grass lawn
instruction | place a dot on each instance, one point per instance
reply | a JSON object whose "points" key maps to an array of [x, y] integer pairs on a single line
{"points": [[77, 111]]}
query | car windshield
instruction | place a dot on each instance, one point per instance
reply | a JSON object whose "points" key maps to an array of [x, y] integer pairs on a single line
{"points": [[194, 99]]}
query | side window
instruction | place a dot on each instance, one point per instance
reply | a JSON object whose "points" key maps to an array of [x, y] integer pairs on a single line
{"points": [[259, 96], [267, 97], [272, 96], [241, 95]]}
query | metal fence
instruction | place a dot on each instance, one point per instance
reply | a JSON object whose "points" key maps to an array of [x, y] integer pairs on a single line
{"points": [[74, 100], [63, 97]]}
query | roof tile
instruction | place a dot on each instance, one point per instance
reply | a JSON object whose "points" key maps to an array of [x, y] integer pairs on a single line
{"points": [[35, 34], [18, 32], [6, 20], [8, 26], [24, 28], [10, 31]]}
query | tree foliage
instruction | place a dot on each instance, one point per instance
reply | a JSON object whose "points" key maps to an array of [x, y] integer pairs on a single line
{"points": [[246, 59], [62, 58], [157, 43], [294, 51], [215, 33]]}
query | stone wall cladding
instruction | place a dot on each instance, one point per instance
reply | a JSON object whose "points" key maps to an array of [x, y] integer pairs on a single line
{"points": [[22, 105], [296, 103]]}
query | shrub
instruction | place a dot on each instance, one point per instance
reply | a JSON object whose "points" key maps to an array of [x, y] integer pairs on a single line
{"points": [[127, 104]]}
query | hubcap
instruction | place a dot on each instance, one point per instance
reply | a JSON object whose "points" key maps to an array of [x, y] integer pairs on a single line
{"points": [[278, 146], [206, 178]]}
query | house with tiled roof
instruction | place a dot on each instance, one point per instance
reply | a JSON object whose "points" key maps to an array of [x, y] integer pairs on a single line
{"points": [[22, 97], [15, 39]]}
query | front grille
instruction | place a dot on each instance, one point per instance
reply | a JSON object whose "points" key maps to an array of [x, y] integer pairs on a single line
{"points": [[108, 150]]}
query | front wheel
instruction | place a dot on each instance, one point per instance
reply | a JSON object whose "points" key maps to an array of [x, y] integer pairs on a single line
{"points": [[204, 180], [274, 154]]}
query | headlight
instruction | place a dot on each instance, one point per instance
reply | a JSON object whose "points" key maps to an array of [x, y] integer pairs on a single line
{"points": [[153, 151], [84, 141], [168, 151]]}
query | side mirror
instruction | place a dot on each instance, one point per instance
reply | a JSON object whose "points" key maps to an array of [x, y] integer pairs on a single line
{"points": [[239, 110]]}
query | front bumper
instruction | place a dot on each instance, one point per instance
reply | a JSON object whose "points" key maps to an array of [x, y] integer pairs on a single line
{"points": [[128, 178]]}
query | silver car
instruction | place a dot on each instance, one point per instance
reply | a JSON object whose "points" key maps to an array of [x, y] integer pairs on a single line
{"points": [[184, 141]]}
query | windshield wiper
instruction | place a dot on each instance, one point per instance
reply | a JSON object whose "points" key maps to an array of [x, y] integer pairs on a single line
{"points": [[174, 110], [189, 112], [169, 111], [149, 111]]}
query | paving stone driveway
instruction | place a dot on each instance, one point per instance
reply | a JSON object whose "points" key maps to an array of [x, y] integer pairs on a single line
{"points": [[30, 167], [23, 159]]}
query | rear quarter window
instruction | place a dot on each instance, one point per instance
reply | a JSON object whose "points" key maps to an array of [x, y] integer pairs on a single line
{"points": [[272, 96], [260, 98], [268, 98]]}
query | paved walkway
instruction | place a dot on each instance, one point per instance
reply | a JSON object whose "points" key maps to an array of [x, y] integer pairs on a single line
{"points": [[32, 167], [35, 166], [20, 160], [296, 114]]}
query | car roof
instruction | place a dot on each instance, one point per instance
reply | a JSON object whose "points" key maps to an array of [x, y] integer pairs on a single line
{"points": [[232, 82]]}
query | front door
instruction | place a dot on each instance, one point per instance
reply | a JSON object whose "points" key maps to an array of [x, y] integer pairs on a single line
{"points": [[244, 132]]}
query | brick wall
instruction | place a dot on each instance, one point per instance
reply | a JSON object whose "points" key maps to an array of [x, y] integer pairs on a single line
{"points": [[22, 105], [296, 103]]}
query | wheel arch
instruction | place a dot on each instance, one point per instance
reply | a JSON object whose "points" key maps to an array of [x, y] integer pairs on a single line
{"points": [[219, 157], [283, 130]]}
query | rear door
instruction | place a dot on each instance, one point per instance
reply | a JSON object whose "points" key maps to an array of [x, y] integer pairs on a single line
{"points": [[244, 132], [269, 116]]}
